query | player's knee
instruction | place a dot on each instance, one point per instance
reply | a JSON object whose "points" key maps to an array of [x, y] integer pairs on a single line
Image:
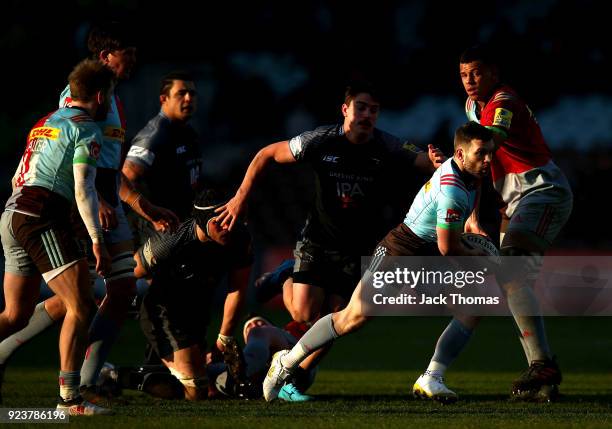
{"points": [[121, 281], [16, 320], [519, 268], [304, 315]]}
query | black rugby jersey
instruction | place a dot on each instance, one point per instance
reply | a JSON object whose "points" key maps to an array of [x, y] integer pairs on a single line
{"points": [[169, 152], [351, 184], [181, 256]]}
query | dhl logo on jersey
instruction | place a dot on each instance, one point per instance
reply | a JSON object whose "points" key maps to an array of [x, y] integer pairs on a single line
{"points": [[502, 118], [46, 132], [114, 133]]}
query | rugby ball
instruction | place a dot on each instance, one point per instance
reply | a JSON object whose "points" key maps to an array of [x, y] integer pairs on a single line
{"points": [[481, 242]]}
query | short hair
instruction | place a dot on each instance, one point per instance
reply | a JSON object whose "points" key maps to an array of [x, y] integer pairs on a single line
{"points": [[109, 36], [471, 131], [168, 80], [482, 53], [356, 88], [87, 78], [205, 204]]}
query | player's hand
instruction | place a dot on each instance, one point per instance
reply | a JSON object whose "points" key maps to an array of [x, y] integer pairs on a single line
{"points": [[229, 213], [103, 259], [163, 220], [475, 228], [107, 215], [435, 155]]}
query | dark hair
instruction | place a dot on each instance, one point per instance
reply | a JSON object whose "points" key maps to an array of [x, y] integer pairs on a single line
{"points": [[168, 80], [205, 204], [362, 87], [87, 78], [482, 53], [109, 36], [470, 131]]}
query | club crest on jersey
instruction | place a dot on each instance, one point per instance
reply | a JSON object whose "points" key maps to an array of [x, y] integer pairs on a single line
{"points": [[427, 186], [46, 132], [502, 118], [331, 158], [94, 150], [452, 216]]}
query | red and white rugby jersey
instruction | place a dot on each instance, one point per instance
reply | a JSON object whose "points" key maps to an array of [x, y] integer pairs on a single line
{"points": [[522, 164]]}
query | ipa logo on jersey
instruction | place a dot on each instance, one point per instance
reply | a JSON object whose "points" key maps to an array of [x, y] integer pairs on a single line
{"points": [[46, 132], [502, 118]]}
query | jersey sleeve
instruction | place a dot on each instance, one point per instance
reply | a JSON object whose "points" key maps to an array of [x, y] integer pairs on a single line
{"points": [[452, 207], [303, 147], [145, 146], [65, 98], [499, 113], [87, 145]]}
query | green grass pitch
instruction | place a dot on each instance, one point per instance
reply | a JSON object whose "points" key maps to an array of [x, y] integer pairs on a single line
{"points": [[366, 382]]}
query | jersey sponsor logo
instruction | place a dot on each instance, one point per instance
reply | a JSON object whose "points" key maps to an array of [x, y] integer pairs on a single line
{"points": [[452, 216], [94, 150], [46, 132], [346, 191], [181, 149], [331, 158], [502, 118], [114, 133], [142, 154], [411, 148]]}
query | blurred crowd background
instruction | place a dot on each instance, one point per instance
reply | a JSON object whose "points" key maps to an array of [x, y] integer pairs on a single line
{"points": [[266, 71]]}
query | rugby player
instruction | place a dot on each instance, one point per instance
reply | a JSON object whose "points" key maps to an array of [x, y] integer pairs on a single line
{"points": [[187, 266], [433, 226], [111, 45], [57, 169], [538, 202], [352, 162]]}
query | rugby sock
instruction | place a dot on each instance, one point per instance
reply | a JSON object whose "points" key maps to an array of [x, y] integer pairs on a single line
{"points": [[69, 382], [526, 311], [452, 341], [39, 321], [102, 334], [256, 355], [321, 334]]}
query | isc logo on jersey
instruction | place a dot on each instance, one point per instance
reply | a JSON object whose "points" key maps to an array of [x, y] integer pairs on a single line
{"points": [[45, 132], [331, 158]]}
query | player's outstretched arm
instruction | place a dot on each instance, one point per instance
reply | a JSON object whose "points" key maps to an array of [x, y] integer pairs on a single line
{"points": [[277, 152], [162, 219]]}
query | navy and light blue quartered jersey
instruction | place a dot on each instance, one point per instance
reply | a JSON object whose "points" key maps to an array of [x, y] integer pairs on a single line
{"points": [[169, 153], [109, 163], [352, 184], [445, 201], [65, 137]]}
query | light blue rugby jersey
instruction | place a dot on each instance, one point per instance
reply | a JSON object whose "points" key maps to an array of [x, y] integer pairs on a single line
{"points": [[444, 202], [65, 137], [113, 130]]}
